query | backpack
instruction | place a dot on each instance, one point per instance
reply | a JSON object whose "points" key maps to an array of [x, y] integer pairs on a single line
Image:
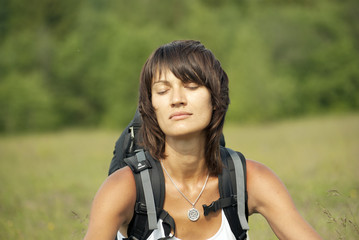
{"points": [[150, 187]]}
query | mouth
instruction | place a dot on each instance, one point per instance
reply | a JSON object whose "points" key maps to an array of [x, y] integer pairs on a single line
{"points": [[180, 115]]}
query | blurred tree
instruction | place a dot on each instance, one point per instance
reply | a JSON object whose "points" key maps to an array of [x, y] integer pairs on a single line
{"points": [[25, 104], [82, 59], [315, 46]]}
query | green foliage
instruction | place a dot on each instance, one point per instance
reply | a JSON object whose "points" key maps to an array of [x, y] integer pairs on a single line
{"points": [[284, 58], [326, 76], [25, 104]]}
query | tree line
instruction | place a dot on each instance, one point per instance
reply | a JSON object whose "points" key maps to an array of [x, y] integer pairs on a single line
{"points": [[77, 63]]}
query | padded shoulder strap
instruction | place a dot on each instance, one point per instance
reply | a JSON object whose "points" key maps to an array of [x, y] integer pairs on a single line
{"points": [[139, 164], [241, 192], [141, 226], [228, 201]]}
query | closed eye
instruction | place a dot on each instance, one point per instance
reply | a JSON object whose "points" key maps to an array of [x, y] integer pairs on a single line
{"points": [[192, 86], [162, 92], [160, 87]]}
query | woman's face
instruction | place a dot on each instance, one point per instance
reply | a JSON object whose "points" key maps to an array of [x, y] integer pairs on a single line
{"points": [[182, 109]]}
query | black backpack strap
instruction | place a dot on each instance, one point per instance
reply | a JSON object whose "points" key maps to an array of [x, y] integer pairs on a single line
{"points": [[220, 204], [168, 224], [149, 199], [142, 167], [241, 188], [227, 182], [147, 188]]}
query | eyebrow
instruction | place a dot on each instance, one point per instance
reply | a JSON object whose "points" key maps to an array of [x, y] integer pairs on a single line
{"points": [[160, 81]]}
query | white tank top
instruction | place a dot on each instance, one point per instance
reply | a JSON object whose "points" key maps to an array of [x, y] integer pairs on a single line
{"points": [[224, 232]]}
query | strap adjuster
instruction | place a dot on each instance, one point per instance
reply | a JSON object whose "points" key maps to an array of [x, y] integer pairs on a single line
{"points": [[219, 204], [140, 208]]}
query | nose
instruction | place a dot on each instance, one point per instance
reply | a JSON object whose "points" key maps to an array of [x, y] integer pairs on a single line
{"points": [[178, 98]]}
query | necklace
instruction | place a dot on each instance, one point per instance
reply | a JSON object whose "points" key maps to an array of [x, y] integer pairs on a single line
{"points": [[193, 213]]}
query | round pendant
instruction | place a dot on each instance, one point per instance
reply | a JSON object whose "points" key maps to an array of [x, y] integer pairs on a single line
{"points": [[193, 214]]}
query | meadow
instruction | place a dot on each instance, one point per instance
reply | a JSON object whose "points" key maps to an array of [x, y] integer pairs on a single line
{"points": [[48, 180]]}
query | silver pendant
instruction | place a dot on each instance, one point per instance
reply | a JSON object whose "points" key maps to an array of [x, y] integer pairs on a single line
{"points": [[193, 214]]}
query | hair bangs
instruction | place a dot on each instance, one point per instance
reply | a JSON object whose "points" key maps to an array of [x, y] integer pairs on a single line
{"points": [[180, 61]]}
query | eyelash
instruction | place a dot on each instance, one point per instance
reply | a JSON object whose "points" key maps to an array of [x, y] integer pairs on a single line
{"points": [[188, 87], [193, 87], [162, 92]]}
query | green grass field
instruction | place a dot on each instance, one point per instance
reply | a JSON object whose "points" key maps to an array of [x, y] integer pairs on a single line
{"points": [[48, 180]]}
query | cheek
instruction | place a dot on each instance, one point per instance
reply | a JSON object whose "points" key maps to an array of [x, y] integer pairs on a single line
{"points": [[155, 104], [210, 110], [209, 102], [207, 109], [158, 110]]}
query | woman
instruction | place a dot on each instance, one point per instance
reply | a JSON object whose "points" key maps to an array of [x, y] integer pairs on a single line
{"points": [[183, 102]]}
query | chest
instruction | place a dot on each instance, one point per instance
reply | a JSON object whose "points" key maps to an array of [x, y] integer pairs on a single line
{"points": [[178, 207]]}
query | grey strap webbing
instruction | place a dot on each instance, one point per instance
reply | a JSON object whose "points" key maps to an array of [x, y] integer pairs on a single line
{"points": [[147, 189], [238, 168]]}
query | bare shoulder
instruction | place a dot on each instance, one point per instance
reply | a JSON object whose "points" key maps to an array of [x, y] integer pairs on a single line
{"points": [[264, 187], [121, 178], [256, 167], [268, 196], [119, 191], [258, 173], [112, 207], [117, 182]]}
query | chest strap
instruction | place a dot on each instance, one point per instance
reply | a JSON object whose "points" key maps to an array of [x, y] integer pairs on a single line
{"points": [[219, 204]]}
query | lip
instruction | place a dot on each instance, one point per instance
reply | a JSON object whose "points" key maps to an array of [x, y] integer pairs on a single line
{"points": [[180, 115]]}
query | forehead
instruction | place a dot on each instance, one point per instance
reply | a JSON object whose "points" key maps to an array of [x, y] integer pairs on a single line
{"points": [[165, 73], [161, 73]]}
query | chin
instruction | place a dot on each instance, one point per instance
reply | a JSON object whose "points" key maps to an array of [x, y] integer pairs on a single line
{"points": [[185, 133]]}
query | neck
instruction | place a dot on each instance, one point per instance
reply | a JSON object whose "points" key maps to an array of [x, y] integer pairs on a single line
{"points": [[185, 159]]}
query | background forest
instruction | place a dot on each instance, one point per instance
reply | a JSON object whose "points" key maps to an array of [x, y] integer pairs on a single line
{"points": [[77, 63], [69, 75]]}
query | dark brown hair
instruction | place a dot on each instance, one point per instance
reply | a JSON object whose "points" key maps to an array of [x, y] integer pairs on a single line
{"points": [[189, 61]]}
